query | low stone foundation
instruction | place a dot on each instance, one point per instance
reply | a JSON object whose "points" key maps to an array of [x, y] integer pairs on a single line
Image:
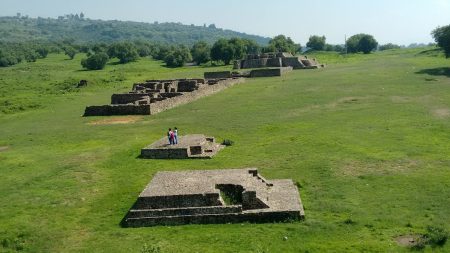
{"points": [[214, 196], [217, 74], [284, 59], [269, 72], [155, 96]]}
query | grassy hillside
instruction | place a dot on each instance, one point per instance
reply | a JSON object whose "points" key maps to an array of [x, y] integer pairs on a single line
{"points": [[20, 29], [365, 138]]}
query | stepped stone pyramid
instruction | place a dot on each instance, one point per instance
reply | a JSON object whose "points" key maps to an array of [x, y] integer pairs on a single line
{"points": [[214, 196]]}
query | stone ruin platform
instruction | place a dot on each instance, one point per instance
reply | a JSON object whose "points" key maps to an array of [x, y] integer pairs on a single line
{"points": [[154, 96], [277, 60], [214, 196], [189, 146]]}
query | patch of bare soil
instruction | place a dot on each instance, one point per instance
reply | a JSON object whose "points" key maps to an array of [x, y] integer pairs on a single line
{"points": [[116, 120], [358, 168], [441, 113], [3, 148], [346, 100], [401, 99], [408, 240]]}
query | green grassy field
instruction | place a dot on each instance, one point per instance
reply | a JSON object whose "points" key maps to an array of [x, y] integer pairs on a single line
{"points": [[367, 140]]}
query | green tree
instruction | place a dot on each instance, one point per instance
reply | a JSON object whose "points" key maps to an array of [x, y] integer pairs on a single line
{"points": [[70, 51], [442, 37], [42, 51], [317, 43], [178, 57], [238, 48], [95, 61], [222, 51], [282, 43], [201, 52], [361, 43], [251, 46], [124, 51]]}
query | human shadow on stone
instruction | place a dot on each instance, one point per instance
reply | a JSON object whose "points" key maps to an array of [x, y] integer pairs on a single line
{"points": [[443, 71]]}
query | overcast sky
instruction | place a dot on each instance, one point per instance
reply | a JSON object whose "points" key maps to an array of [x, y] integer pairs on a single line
{"points": [[397, 21]]}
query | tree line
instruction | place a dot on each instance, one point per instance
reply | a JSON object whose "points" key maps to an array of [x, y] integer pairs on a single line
{"points": [[222, 51]]}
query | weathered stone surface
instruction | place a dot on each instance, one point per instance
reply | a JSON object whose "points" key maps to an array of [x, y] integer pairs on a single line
{"points": [[108, 110], [189, 146], [217, 74], [269, 72], [281, 59], [197, 197]]}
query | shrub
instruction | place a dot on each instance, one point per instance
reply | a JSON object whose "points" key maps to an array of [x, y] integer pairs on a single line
{"points": [[227, 142], [388, 47], [436, 236], [95, 61]]}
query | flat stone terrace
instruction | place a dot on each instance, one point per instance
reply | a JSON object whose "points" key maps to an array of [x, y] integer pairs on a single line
{"points": [[189, 146], [197, 197]]}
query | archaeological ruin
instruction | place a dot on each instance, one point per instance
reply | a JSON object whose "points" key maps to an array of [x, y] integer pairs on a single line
{"points": [[188, 146], [277, 60], [154, 96], [214, 196]]}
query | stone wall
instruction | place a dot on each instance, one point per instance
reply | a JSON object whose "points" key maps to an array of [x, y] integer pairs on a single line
{"points": [[269, 72], [144, 105], [217, 74], [127, 98], [165, 153], [192, 96], [256, 217], [187, 86], [184, 211], [108, 110], [293, 62], [178, 201]]}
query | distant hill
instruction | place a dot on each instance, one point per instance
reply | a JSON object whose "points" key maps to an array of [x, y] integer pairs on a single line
{"points": [[81, 30]]}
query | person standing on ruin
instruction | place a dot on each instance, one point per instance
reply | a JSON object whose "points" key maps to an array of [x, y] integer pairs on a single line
{"points": [[170, 136], [175, 135]]}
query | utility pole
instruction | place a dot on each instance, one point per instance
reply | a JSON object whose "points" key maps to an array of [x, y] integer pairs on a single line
{"points": [[345, 44]]}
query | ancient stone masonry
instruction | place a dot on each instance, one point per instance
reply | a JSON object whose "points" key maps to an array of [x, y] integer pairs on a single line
{"points": [[214, 196], [189, 146], [154, 96], [276, 60], [268, 72]]}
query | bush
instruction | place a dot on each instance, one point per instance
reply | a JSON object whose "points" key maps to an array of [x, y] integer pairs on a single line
{"points": [[436, 236], [95, 61], [388, 46], [227, 142]]}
